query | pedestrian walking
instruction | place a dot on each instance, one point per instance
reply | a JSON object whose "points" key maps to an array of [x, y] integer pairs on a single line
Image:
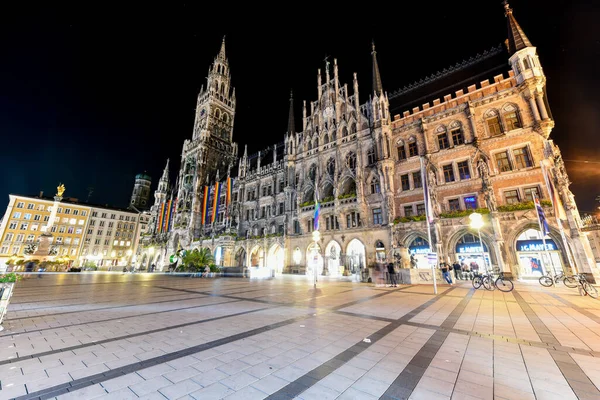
{"points": [[445, 272], [457, 270], [392, 272]]}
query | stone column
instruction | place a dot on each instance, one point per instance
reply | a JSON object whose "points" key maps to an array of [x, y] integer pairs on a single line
{"points": [[498, 244], [540, 103], [534, 109]]}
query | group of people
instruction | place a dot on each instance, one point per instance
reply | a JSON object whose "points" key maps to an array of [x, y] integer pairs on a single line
{"points": [[461, 270], [390, 277]]}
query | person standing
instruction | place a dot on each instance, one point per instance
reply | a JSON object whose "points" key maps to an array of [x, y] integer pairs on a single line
{"points": [[457, 270], [392, 272], [446, 273]]}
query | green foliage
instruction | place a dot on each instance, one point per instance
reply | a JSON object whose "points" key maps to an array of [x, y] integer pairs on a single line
{"points": [[89, 264], [214, 268], [196, 259], [328, 199], [463, 213], [524, 205], [346, 196], [307, 203], [412, 218], [10, 277]]}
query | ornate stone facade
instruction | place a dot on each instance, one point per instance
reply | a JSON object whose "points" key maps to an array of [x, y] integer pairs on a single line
{"points": [[480, 148]]}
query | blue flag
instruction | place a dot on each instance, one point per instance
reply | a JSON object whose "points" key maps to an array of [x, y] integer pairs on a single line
{"points": [[317, 210], [541, 216]]}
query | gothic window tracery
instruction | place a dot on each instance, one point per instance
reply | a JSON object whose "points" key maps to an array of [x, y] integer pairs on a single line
{"points": [[371, 156], [344, 131], [492, 119], [351, 161], [352, 128], [331, 167]]}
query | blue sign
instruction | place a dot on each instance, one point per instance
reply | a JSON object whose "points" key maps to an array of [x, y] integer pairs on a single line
{"points": [[536, 245], [470, 248], [419, 249]]}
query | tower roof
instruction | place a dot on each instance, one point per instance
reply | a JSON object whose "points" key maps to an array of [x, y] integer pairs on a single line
{"points": [[377, 86], [517, 40], [143, 176], [165, 175], [291, 122], [222, 51]]}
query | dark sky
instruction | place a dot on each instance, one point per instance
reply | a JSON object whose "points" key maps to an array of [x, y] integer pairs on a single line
{"points": [[90, 96]]}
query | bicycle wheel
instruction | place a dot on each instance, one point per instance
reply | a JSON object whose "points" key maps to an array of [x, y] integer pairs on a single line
{"points": [[477, 282], [504, 285], [488, 283], [590, 290], [545, 281], [570, 282]]}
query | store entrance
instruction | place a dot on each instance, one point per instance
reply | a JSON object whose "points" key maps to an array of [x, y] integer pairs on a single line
{"points": [[534, 261]]}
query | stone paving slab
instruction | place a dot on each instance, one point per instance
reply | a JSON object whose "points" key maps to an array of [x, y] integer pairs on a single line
{"points": [[168, 337]]}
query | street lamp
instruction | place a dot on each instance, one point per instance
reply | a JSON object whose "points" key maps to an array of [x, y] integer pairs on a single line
{"points": [[316, 236], [476, 222]]}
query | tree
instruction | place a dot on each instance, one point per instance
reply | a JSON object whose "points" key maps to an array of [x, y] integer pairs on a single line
{"points": [[197, 259]]}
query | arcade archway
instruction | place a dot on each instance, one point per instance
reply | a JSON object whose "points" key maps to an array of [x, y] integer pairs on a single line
{"points": [[240, 258], [275, 258], [356, 256], [257, 257], [314, 260], [333, 258]]}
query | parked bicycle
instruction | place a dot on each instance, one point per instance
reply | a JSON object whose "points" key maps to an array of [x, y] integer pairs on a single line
{"points": [[586, 287], [569, 281], [490, 282]]}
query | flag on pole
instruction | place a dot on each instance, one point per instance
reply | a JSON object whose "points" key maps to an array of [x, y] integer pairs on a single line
{"points": [[204, 204], [160, 217], [559, 209], [167, 216], [545, 228], [427, 199], [317, 211], [215, 205]]}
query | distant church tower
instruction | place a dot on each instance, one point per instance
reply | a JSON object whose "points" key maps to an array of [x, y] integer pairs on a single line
{"points": [[211, 148], [141, 192]]}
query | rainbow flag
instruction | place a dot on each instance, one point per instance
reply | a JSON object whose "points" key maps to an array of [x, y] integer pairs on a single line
{"points": [[228, 195], [165, 227], [215, 208], [204, 204], [160, 217], [317, 211]]}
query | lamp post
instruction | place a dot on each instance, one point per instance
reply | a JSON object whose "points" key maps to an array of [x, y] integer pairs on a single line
{"points": [[316, 236], [476, 222], [151, 252], [129, 253]]}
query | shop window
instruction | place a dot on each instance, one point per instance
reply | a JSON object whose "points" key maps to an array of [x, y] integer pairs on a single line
{"points": [[470, 202]]}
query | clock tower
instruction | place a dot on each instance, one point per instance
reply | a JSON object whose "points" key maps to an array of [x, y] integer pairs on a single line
{"points": [[211, 148]]}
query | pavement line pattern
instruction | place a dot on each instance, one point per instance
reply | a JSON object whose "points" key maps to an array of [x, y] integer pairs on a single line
{"points": [[117, 372], [407, 380], [583, 311], [113, 339], [309, 379], [118, 318], [574, 375]]}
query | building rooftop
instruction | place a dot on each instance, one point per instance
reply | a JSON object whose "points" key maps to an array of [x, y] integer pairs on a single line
{"points": [[74, 201]]}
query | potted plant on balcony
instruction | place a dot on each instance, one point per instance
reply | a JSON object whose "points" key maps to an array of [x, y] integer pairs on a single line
{"points": [[7, 286]]}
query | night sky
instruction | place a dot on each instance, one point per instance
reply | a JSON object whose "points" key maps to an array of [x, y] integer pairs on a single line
{"points": [[92, 96]]}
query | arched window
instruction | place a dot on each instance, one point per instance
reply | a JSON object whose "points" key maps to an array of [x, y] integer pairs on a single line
{"points": [[375, 185], [401, 148], [316, 143], [371, 156], [217, 113], [308, 145], [352, 128], [312, 173], [331, 167], [217, 87], [492, 120], [344, 132], [442, 137], [351, 161], [413, 148], [333, 136], [456, 133], [526, 63], [225, 118], [511, 117], [326, 139]]}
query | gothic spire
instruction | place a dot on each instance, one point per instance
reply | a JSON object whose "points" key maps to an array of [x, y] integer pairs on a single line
{"points": [[377, 86], [165, 175], [222, 52], [291, 123], [517, 40]]}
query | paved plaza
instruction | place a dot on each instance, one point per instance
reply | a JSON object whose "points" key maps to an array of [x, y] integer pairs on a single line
{"points": [[145, 336]]}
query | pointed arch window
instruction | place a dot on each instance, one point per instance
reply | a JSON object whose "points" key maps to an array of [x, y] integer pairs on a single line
{"points": [[351, 161], [344, 132], [353, 128], [413, 148], [371, 156], [331, 167], [442, 137], [492, 120], [375, 186], [511, 117], [326, 139], [456, 133], [401, 150]]}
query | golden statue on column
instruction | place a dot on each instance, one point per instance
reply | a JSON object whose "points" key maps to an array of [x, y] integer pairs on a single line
{"points": [[60, 190]]}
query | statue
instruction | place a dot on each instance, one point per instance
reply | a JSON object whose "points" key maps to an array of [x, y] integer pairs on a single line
{"points": [[490, 198], [484, 172], [60, 190], [486, 186]]}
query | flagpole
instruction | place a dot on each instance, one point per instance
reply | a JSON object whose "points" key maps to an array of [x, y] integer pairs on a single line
{"points": [[552, 192], [427, 217], [542, 231]]}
